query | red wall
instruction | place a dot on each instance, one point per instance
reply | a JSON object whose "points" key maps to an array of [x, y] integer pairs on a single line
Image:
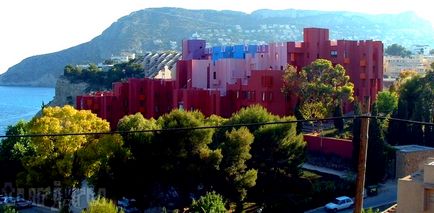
{"points": [[340, 147], [206, 101], [264, 88]]}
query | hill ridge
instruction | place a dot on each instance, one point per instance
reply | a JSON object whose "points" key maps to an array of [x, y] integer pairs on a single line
{"points": [[158, 29]]}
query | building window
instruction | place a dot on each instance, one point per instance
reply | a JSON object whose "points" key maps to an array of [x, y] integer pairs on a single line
{"points": [[281, 67], [334, 53], [245, 95], [270, 96], [214, 75], [317, 55], [263, 96], [308, 55]]}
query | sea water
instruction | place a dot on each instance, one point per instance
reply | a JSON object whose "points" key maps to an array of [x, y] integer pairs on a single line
{"points": [[21, 103]]}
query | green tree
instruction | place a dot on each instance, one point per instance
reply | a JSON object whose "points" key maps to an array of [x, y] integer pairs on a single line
{"points": [[376, 159], [387, 102], [397, 50], [11, 149], [250, 115], [320, 85], [403, 77], [102, 205], [137, 142], [338, 122], [416, 101], [211, 202], [69, 159], [184, 156], [278, 150], [133, 69], [235, 150], [299, 116], [141, 145]]}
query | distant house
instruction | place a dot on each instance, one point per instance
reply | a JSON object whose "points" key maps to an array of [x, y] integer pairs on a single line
{"points": [[420, 49], [123, 57]]}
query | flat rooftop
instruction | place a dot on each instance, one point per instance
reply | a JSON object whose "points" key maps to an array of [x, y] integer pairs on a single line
{"points": [[413, 148]]}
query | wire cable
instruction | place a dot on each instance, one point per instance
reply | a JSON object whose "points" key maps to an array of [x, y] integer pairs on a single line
{"points": [[217, 126]]}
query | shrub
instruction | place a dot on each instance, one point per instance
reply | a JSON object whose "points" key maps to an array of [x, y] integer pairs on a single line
{"points": [[7, 209], [209, 203], [102, 205]]}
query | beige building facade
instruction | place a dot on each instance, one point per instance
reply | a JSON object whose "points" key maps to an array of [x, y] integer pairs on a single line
{"points": [[393, 65], [416, 191]]}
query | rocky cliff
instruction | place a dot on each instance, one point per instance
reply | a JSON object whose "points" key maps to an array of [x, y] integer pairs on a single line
{"points": [[66, 92]]}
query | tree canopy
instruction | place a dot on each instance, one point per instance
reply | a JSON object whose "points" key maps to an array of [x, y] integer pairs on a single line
{"points": [[320, 87], [387, 102], [69, 159], [416, 102], [236, 151], [397, 50]]}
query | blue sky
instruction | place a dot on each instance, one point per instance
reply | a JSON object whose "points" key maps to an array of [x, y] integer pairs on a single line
{"points": [[32, 27]]}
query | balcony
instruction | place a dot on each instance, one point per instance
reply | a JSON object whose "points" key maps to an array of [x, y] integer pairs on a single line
{"points": [[363, 63]]}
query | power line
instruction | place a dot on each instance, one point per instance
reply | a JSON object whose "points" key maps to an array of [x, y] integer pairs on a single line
{"points": [[217, 126]]}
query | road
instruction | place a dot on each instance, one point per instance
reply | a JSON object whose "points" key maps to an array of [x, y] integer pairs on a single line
{"points": [[386, 195]]}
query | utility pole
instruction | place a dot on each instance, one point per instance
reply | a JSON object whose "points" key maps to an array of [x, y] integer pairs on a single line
{"points": [[361, 168]]}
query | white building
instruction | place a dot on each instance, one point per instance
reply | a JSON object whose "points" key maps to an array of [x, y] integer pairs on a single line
{"points": [[420, 49]]}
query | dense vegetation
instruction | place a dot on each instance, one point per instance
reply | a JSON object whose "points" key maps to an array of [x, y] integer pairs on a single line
{"points": [[415, 102], [397, 50], [99, 79], [175, 166]]}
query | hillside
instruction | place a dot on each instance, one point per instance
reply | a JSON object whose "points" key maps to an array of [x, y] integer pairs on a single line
{"points": [[163, 29]]}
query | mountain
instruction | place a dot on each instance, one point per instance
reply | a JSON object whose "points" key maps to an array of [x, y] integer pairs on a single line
{"points": [[158, 29]]}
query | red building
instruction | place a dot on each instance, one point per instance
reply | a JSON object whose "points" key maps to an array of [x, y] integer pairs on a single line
{"points": [[151, 97], [363, 60], [222, 80]]}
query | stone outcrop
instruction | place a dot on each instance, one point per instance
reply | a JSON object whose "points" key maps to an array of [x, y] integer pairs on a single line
{"points": [[66, 92]]}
